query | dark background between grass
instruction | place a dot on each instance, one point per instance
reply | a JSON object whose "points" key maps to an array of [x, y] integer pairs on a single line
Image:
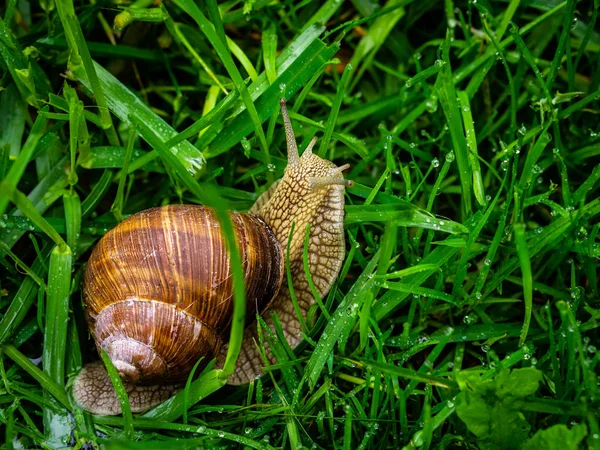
{"points": [[467, 310]]}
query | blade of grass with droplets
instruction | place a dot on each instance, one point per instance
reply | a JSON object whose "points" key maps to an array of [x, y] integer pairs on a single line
{"points": [[493, 248], [72, 206], [416, 290], [30, 80], [129, 107], [461, 333], [476, 224], [81, 58], [446, 91], [269, 46], [121, 393], [448, 160], [471, 137], [201, 388], [29, 210], [532, 158], [355, 144], [335, 108], [516, 35], [550, 237], [90, 203], [391, 300], [215, 34], [370, 44], [467, 70], [557, 62], [586, 186], [108, 157], [56, 423], [412, 374], [425, 74], [147, 424], [18, 167], [525, 263], [51, 386], [23, 299], [4, 250], [388, 247], [298, 71], [402, 214], [117, 206], [340, 322], [567, 314], [588, 33], [324, 13]]}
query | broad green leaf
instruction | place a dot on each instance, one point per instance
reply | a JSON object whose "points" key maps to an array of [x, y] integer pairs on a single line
{"points": [[557, 437]]}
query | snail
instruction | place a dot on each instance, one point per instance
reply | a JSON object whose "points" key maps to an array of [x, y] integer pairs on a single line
{"points": [[158, 292]]}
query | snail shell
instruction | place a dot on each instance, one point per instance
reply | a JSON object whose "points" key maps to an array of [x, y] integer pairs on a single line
{"points": [[158, 288]]}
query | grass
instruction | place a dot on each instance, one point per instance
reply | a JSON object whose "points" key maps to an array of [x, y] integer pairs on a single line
{"points": [[467, 311]]}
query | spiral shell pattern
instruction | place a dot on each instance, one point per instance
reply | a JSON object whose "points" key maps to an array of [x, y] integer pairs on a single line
{"points": [[158, 288]]}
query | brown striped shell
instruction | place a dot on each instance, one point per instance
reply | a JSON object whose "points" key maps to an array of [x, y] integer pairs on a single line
{"points": [[158, 288]]}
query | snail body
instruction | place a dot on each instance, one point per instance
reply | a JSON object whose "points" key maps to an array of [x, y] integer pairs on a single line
{"points": [[158, 289]]}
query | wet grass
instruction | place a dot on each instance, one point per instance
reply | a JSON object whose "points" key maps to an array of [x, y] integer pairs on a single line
{"points": [[467, 309]]}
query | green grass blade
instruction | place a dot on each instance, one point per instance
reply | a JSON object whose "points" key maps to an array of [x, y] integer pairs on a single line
{"points": [[447, 95], [56, 424], [51, 386], [129, 108], [115, 379], [269, 47], [18, 168], [527, 279]]}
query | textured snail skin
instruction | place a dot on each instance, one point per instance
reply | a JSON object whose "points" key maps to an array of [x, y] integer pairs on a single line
{"points": [[311, 192], [293, 200], [93, 391]]}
